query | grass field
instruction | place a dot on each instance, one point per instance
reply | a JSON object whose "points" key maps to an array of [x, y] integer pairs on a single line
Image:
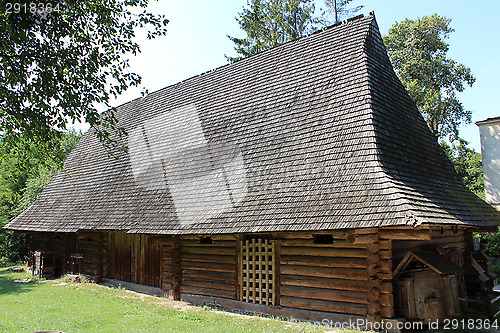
{"points": [[86, 307]]}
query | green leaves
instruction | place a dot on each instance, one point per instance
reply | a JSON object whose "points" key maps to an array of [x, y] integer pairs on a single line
{"points": [[24, 158], [468, 164], [417, 49], [68, 65], [27, 165], [269, 23]]}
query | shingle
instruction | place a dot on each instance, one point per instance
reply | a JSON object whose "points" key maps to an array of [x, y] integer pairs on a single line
{"points": [[315, 134]]}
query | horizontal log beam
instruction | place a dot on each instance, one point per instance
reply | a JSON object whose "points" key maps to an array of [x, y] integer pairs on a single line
{"points": [[339, 273], [193, 242], [214, 237], [325, 294], [161, 240], [323, 261], [324, 252], [321, 282], [228, 286], [337, 243], [209, 267], [326, 306], [207, 258], [208, 292], [358, 239], [405, 234], [278, 311], [209, 250], [212, 276]]}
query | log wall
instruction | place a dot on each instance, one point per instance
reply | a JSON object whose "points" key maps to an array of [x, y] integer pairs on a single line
{"points": [[93, 247], [209, 269], [166, 277], [323, 277], [444, 238], [352, 275]]}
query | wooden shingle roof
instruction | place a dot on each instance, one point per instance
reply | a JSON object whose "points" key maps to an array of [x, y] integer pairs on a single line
{"points": [[315, 134]]}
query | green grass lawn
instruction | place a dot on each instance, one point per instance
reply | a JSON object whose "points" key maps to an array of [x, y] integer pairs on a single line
{"points": [[87, 307]]}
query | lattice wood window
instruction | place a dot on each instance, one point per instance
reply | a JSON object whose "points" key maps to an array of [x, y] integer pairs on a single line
{"points": [[257, 271]]}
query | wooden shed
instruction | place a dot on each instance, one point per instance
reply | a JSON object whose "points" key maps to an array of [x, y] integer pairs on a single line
{"points": [[292, 182]]}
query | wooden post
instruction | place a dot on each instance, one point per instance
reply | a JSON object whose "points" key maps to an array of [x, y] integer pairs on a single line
{"points": [[373, 270], [100, 258], [276, 272], [176, 269], [239, 267]]}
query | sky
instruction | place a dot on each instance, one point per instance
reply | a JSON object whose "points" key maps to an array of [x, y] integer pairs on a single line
{"points": [[197, 41]]}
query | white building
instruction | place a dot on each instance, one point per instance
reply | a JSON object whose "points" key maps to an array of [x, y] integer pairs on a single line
{"points": [[489, 130]]}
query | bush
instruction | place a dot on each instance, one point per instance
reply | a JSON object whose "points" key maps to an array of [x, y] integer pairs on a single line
{"points": [[13, 248], [490, 243]]}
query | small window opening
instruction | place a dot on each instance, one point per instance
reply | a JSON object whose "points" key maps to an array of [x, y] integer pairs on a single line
{"points": [[206, 240], [323, 239]]}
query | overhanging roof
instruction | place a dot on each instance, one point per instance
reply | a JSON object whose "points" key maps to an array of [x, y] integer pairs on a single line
{"points": [[315, 134]]}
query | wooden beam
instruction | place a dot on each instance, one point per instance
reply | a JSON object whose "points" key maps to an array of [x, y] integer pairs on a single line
{"points": [[324, 261], [362, 238], [403, 234], [161, 240], [338, 273], [326, 252], [239, 267], [278, 311], [100, 258], [325, 306], [325, 294], [373, 270], [176, 269], [277, 272]]}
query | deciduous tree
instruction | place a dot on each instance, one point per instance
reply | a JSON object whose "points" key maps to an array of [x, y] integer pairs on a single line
{"points": [[65, 60], [468, 164], [418, 52], [27, 166]]}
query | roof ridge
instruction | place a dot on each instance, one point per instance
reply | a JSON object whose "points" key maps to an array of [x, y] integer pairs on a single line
{"points": [[338, 24]]}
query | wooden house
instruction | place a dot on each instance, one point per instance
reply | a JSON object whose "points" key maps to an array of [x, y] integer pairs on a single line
{"points": [[293, 182]]}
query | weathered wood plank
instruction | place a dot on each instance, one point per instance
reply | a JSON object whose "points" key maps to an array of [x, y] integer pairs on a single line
{"points": [[225, 285], [324, 252], [218, 237], [208, 292], [193, 242], [341, 243], [397, 234], [209, 250], [177, 272], [211, 267], [321, 282], [326, 306], [339, 273], [278, 270], [325, 294], [221, 259], [213, 276], [324, 261]]}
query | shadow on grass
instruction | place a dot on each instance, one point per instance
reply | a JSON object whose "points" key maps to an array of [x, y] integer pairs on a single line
{"points": [[8, 286]]}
